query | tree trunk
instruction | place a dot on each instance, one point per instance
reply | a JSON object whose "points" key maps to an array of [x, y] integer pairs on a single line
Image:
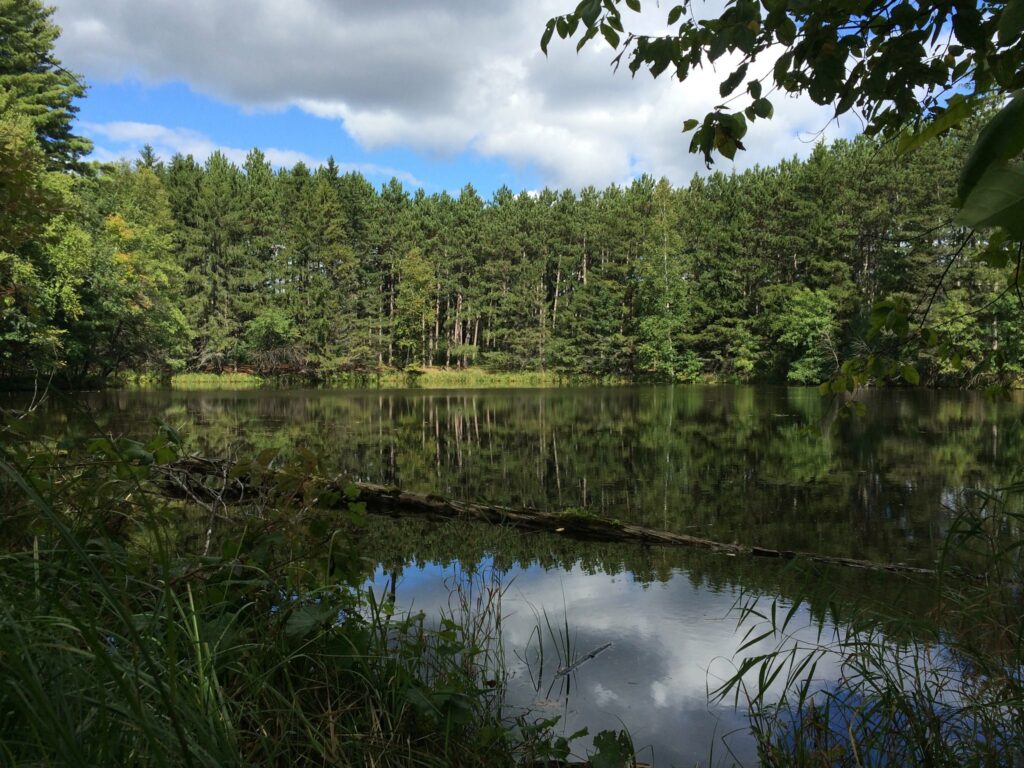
{"points": [[218, 482]]}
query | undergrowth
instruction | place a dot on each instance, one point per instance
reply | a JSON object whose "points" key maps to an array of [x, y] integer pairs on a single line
{"points": [[866, 689], [138, 630]]}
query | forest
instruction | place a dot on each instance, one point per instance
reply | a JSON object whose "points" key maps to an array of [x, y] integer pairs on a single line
{"points": [[157, 267]]}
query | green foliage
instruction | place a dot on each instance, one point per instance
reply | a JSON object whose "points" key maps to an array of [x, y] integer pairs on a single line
{"points": [[805, 326], [893, 64], [763, 275], [932, 67], [34, 83], [138, 629], [948, 692], [413, 308]]}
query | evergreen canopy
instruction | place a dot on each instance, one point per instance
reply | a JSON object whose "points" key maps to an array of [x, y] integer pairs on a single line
{"points": [[35, 84]]}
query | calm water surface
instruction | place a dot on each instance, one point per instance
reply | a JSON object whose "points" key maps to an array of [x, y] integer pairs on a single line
{"points": [[766, 466]]}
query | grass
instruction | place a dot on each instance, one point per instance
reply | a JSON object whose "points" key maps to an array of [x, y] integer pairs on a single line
{"points": [[944, 690], [464, 378], [425, 378], [138, 630], [215, 380]]}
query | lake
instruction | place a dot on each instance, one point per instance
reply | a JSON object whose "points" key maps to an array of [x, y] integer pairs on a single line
{"points": [[774, 467]]}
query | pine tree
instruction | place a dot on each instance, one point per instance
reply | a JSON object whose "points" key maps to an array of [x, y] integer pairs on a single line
{"points": [[38, 86]]}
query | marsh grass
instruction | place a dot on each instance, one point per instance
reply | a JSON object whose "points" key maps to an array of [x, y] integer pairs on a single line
{"points": [[866, 689], [140, 631], [226, 380]]}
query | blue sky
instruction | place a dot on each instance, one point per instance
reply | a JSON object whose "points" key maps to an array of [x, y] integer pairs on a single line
{"points": [[290, 130], [439, 94]]}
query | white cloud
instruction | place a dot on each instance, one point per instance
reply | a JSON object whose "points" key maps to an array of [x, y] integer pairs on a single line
{"points": [[124, 140], [441, 78]]}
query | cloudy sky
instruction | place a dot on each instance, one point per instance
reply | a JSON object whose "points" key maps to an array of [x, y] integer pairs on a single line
{"points": [[435, 93]]}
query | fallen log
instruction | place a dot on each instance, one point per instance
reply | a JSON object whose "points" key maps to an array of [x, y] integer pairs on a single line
{"points": [[211, 480]]}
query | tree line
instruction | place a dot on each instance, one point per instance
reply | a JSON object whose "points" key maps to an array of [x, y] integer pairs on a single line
{"points": [[760, 275]]}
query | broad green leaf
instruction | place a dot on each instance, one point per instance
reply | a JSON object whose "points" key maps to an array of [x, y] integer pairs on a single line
{"points": [[610, 35], [675, 14], [138, 453], [957, 110], [690, 124], [306, 618], [634, 5], [754, 89], [763, 108], [729, 84], [995, 255], [786, 32], [1001, 140], [997, 200], [614, 750], [546, 37], [910, 375], [1011, 22]]}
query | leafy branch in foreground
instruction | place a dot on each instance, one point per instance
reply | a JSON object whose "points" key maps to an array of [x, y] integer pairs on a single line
{"points": [[892, 62]]}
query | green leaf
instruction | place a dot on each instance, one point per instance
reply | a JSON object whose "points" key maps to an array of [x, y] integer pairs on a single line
{"points": [[675, 14], [634, 5], [997, 200], [739, 125], [546, 37], [306, 618], [1011, 22], [690, 124], [590, 12], [910, 375], [727, 146], [730, 83], [763, 108], [610, 35], [957, 110], [138, 453], [614, 750], [266, 457], [170, 433], [754, 89], [994, 254], [1001, 140], [786, 32]]}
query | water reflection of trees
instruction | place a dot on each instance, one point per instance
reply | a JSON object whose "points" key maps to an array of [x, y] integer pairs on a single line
{"points": [[749, 464]]}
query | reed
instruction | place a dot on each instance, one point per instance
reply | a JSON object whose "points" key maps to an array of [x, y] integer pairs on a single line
{"points": [[136, 630]]}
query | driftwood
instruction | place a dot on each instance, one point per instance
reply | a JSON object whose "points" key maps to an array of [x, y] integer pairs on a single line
{"points": [[211, 480]]}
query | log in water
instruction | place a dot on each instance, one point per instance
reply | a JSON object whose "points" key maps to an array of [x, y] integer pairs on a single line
{"points": [[223, 481]]}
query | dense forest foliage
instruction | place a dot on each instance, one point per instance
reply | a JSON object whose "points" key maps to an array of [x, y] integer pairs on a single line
{"points": [[769, 274], [760, 275]]}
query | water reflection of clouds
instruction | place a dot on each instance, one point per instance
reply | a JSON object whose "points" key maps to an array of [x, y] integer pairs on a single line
{"points": [[671, 641]]}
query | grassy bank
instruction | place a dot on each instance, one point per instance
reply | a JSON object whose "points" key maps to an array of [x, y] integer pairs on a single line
{"points": [[141, 630], [468, 378], [428, 378], [216, 380]]}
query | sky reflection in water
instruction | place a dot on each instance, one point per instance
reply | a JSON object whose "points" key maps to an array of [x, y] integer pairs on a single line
{"points": [[670, 640]]}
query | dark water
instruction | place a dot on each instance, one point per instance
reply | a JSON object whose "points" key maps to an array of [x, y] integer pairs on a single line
{"points": [[766, 466]]}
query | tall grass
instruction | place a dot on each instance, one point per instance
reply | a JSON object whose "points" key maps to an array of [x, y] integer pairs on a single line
{"points": [[944, 690], [134, 632]]}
